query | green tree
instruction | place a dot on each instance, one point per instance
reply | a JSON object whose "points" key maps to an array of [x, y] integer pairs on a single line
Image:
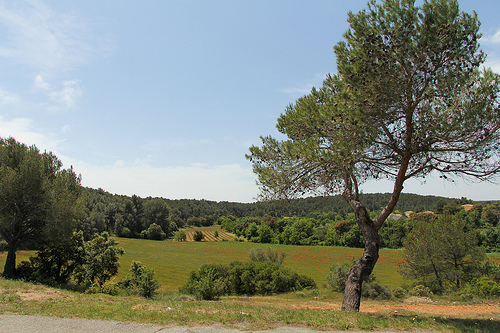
{"points": [[55, 262], [141, 280], [39, 201], [180, 236], [154, 232], [409, 98], [198, 236], [442, 255], [157, 211], [101, 260]]}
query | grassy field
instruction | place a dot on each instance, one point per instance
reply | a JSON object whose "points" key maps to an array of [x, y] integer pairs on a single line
{"points": [[173, 261]]}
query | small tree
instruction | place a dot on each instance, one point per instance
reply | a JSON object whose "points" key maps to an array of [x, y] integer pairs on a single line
{"points": [[198, 236], [442, 255], [180, 236], [141, 280], [101, 260], [154, 232], [55, 262]]}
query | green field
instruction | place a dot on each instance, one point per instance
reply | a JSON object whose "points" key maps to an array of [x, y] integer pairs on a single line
{"points": [[172, 261]]}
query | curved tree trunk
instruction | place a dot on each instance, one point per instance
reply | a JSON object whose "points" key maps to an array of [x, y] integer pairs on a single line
{"points": [[364, 266]]}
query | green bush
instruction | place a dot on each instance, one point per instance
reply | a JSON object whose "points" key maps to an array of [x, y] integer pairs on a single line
{"points": [[244, 278], [140, 281], [375, 290], [180, 236], [484, 286], [198, 236], [337, 276], [208, 283], [421, 291], [261, 255], [154, 232], [399, 292]]}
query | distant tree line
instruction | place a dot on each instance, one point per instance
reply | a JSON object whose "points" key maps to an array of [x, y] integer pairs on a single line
{"points": [[158, 218]]}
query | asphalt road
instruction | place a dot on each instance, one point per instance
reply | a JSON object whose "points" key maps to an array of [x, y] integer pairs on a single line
{"points": [[39, 324]]}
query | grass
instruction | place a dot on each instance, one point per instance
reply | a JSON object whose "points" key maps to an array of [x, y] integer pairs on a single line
{"points": [[302, 309], [173, 261]]}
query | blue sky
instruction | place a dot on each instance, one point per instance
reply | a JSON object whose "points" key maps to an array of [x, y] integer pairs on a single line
{"points": [[164, 98]]}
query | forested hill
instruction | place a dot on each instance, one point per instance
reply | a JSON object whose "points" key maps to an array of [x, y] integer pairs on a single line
{"points": [[312, 206]]}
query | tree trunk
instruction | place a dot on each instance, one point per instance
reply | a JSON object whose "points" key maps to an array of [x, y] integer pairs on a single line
{"points": [[364, 266], [9, 270]]}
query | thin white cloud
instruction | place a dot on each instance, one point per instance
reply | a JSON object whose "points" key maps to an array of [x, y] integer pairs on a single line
{"points": [[491, 39], [8, 98], [24, 130], [45, 40], [305, 88], [40, 84], [68, 95]]}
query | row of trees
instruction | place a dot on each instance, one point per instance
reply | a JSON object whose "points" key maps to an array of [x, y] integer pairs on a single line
{"points": [[483, 219], [158, 218]]}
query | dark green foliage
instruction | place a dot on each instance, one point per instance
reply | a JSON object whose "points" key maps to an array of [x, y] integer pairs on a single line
{"points": [[154, 232], [244, 278], [140, 281], [442, 254], [210, 282], [55, 262], [484, 287], [100, 262], [198, 236], [180, 236], [39, 201]]}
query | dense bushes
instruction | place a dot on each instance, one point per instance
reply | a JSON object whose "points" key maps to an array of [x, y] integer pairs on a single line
{"points": [[244, 278]]}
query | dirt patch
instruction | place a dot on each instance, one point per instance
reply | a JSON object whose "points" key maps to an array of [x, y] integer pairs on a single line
{"points": [[40, 295], [426, 306]]}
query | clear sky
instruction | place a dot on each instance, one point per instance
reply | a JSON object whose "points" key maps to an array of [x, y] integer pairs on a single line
{"points": [[164, 98]]}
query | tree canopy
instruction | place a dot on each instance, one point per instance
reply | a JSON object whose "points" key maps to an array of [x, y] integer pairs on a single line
{"points": [[409, 98], [39, 201]]}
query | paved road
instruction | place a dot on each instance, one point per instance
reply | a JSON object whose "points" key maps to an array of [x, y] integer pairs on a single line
{"points": [[39, 324]]}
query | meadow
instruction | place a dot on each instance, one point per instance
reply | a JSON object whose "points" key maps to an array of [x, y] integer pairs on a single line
{"points": [[172, 261]]}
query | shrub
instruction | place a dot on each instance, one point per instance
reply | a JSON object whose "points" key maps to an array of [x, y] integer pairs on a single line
{"points": [[337, 276], [484, 286], [140, 281], [198, 236], [55, 262], [244, 278], [375, 290], [421, 291], [154, 232], [100, 262], [180, 236], [261, 255], [399, 292], [208, 283]]}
